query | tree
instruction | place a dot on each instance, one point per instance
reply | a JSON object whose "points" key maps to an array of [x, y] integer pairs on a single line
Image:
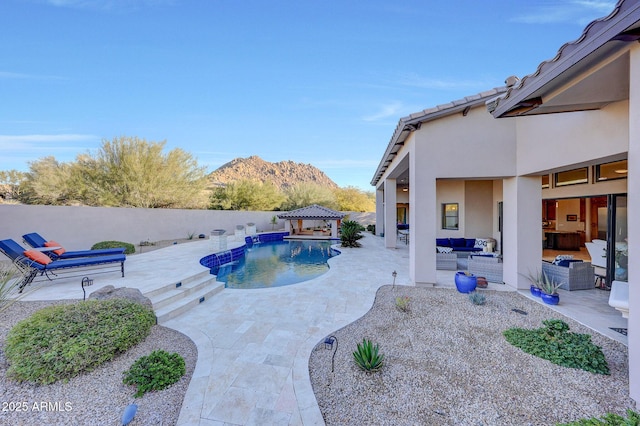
{"points": [[305, 194], [125, 172], [352, 199], [48, 182], [10, 184], [247, 195]]}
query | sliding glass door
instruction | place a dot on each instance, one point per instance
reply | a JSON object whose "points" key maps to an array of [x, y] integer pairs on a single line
{"points": [[617, 251]]}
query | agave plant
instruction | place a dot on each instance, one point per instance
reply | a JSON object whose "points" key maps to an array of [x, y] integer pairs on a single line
{"points": [[541, 280], [477, 298], [367, 356]]}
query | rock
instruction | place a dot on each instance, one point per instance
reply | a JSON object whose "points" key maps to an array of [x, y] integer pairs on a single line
{"points": [[110, 292]]}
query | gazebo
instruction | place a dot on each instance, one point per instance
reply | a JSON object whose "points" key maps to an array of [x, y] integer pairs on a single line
{"points": [[312, 221]]}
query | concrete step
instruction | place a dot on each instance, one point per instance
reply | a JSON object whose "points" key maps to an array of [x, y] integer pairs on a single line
{"points": [[173, 299], [156, 293], [180, 304]]}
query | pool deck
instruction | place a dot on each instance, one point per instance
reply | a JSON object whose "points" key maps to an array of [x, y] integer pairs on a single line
{"points": [[254, 345]]}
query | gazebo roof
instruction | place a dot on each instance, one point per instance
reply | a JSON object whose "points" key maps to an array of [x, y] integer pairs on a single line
{"points": [[314, 211]]}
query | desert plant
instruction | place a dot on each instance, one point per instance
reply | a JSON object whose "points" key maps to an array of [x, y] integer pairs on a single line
{"points": [[59, 342], [609, 419], [155, 371], [477, 298], [8, 287], [190, 235], [368, 357], [555, 343], [402, 303], [350, 233], [128, 247], [541, 280]]}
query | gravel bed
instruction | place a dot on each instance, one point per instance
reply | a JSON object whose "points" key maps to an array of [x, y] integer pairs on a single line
{"points": [[447, 363], [97, 397]]}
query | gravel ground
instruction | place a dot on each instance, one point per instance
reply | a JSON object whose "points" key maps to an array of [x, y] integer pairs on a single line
{"points": [[98, 397], [447, 363]]}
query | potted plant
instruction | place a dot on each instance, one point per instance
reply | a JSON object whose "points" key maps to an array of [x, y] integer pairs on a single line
{"points": [[546, 286], [466, 282]]}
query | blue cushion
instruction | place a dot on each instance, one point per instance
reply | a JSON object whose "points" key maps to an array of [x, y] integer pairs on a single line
{"points": [[443, 242], [458, 242], [566, 262], [471, 242]]}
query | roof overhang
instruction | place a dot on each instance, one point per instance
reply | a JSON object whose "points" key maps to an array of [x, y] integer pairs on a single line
{"points": [[414, 122], [586, 74]]}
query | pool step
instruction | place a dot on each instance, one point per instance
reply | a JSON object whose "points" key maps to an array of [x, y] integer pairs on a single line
{"points": [[172, 300]]}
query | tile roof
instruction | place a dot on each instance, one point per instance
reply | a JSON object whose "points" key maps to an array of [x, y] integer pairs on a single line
{"points": [[412, 122], [613, 27], [312, 212]]}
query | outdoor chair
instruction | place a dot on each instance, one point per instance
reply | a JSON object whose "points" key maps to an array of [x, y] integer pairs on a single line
{"points": [[489, 267], [573, 275], [32, 263], [35, 240]]}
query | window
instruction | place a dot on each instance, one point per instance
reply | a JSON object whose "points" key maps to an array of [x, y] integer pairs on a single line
{"points": [[571, 177], [611, 171], [545, 181], [450, 216]]}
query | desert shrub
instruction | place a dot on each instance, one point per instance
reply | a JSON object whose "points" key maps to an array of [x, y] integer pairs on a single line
{"points": [[59, 342], [477, 298], [402, 303], [128, 247], [555, 343], [609, 419], [368, 357], [156, 371]]}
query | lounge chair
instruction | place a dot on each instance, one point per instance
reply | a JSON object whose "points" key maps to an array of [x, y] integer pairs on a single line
{"points": [[37, 241], [32, 263]]}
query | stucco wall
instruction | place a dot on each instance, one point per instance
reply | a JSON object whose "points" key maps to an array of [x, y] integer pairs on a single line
{"points": [[80, 227], [551, 141]]}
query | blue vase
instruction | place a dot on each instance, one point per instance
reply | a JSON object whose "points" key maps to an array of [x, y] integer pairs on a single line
{"points": [[465, 283], [535, 291], [550, 299]]}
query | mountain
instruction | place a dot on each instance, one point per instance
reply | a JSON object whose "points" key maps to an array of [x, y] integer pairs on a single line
{"points": [[283, 173]]}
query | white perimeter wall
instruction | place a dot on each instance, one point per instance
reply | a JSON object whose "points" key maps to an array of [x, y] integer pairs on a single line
{"points": [[80, 227]]}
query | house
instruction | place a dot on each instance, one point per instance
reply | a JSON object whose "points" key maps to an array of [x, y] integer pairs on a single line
{"points": [[553, 149]]}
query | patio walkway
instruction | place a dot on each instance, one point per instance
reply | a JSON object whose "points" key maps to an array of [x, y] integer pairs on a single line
{"points": [[254, 345]]}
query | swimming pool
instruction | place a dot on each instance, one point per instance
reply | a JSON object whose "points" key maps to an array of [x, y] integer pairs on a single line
{"points": [[276, 263]]}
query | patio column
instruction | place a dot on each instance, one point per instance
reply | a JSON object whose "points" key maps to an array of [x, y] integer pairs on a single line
{"points": [[379, 211], [390, 238], [423, 217], [633, 224], [522, 229]]}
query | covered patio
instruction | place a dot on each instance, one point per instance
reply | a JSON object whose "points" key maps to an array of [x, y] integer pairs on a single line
{"points": [[314, 222]]}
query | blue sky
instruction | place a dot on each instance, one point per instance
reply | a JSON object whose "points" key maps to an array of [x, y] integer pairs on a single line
{"points": [[318, 82]]}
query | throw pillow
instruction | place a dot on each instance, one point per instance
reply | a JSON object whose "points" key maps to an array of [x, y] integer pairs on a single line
{"points": [[52, 243], [37, 256], [481, 243], [441, 249], [562, 257]]}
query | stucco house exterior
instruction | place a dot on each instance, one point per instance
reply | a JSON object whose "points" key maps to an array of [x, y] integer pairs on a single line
{"points": [[482, 166]]}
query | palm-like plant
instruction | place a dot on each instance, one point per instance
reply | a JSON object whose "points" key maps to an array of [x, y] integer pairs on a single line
{"points": [[368, 357], [350, 233]]}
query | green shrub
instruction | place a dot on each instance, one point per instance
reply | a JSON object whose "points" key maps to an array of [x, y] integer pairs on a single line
{"points": [[59, 342], [555, 343], [367, 356], [156, 371], [128, 247], [350, 233], [609, 419]]}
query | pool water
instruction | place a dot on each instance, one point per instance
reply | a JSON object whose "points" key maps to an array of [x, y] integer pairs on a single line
{"points": [[277, 263]]}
